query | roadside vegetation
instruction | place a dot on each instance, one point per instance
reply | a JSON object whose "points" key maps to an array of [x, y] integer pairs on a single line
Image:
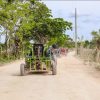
{"points": [[90, 50]]}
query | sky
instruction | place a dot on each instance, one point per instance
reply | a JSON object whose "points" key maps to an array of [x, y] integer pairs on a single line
{"points": [[88, 13], [1, 37]]}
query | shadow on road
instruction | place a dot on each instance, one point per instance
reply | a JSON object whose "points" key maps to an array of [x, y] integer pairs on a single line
{"points": [[34, 73]]}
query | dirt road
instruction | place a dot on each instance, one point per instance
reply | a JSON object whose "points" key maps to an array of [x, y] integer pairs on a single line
{"points": [[74, 81]]}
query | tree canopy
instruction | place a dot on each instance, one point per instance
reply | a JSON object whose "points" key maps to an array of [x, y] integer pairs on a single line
{"points": [[96, 38], [31, 20]]}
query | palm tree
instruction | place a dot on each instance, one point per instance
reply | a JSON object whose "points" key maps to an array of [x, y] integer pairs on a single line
{"points": [[96, 38]]}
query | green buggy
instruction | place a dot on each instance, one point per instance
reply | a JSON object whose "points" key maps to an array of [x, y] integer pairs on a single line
{"points": [[39, 59]]}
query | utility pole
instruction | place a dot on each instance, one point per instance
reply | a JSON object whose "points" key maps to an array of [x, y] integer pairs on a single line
{"points": [[76, 47]]}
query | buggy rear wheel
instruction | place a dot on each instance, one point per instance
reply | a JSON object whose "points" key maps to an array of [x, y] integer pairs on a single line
{"points": [[54, 68], [22, 69]]}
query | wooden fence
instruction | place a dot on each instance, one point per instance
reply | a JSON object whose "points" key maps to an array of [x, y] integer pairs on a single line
{"points": [[90, 56]]}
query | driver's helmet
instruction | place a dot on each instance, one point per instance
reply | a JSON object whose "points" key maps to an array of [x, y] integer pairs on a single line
{"points": [[54, 46]]}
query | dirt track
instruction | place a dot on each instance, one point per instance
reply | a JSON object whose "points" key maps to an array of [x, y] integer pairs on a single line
{"points": [[74, 81]]}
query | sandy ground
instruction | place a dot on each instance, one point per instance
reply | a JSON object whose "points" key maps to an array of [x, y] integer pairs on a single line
{"points": [[74, 81]]}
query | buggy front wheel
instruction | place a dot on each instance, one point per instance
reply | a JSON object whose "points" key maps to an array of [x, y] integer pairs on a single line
{"points": [[54, 68], [22, 69]]}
